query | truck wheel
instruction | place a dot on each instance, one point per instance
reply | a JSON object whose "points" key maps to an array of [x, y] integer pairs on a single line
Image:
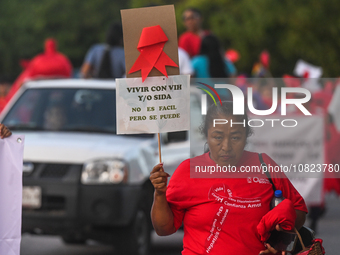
{"points": [[135, 239]]}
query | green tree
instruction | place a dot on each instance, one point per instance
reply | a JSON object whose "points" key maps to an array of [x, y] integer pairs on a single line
{"points": [[76, 24]]}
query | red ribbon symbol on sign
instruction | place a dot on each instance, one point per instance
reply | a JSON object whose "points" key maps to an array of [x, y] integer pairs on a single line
{"points": [[150, 46]]}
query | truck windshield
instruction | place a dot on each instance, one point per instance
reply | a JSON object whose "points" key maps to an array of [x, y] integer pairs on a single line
{"points": [[61, 109]]}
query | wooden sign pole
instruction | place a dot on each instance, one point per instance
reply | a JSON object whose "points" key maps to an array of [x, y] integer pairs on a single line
{"points": [[159, 147]]}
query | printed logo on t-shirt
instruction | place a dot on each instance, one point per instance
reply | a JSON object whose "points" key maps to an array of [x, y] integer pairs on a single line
{"points": [[222, 194], [258, 180]]}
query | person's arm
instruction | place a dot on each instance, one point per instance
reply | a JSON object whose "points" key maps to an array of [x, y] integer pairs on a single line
{"points": [[161, 215], [300, 219], [4, 131], [281, 182], [86, 70]]}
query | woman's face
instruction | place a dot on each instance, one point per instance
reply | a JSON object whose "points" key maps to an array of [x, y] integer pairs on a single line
{"points": [[192, 21], [227, 143]]}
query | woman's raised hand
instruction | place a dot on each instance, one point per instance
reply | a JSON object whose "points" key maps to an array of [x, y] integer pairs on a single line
{"points": [[159, 179]]}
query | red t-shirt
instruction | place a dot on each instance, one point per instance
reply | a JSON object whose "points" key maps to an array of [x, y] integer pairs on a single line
{"points": [[2, 103], [220, 215], [331, 180], [191, 43]]}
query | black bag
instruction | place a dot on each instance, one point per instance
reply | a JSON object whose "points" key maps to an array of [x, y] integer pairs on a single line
{"points": [[306, 233], [105, 70], [307, 236]]}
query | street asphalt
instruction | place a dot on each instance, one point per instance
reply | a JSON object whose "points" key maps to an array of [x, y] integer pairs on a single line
{"points": [[328, 230]]}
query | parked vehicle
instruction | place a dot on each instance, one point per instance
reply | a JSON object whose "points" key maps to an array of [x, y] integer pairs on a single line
{"points": [[81, 180]]}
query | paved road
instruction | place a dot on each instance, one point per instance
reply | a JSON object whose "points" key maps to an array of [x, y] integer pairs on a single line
{"points": [[51, 245], [328, 230], [329, 226]]}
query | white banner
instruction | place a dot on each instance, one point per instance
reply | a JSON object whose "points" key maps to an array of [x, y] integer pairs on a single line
{"points": [[11, 163], [157, 105], [299, 149]]}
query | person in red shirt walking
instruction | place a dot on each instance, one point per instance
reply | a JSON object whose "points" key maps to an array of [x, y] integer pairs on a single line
{"points": [[190, 41], [47, 65], [224, 214], [50, 63]]}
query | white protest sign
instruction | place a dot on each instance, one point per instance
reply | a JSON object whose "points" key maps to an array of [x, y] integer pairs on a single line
{"points": [[11, 163], [302, 68], [157, 105], [300, 149]]}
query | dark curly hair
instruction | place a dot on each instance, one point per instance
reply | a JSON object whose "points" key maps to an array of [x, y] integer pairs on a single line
{"points": [[226, 109]]}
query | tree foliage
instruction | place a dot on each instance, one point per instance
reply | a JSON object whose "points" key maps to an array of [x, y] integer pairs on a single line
{"points": [[76, 24], [289, 30]]}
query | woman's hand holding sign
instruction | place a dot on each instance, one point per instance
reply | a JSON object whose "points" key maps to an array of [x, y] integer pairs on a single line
{"points": [[161, 214], [4, 131], [159, 179]]}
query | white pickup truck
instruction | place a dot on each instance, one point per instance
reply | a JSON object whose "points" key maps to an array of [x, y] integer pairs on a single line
{"points": [[81, 180]]}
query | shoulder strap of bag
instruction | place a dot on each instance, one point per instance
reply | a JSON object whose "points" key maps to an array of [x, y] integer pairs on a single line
{"points": [[265, 170]]}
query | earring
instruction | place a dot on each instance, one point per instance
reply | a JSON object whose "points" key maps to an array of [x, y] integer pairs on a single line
{"points": [[206, 147]]}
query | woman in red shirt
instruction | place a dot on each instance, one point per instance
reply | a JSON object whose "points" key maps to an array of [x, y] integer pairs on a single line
{"points": [[190, 41], [226, 213]]}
